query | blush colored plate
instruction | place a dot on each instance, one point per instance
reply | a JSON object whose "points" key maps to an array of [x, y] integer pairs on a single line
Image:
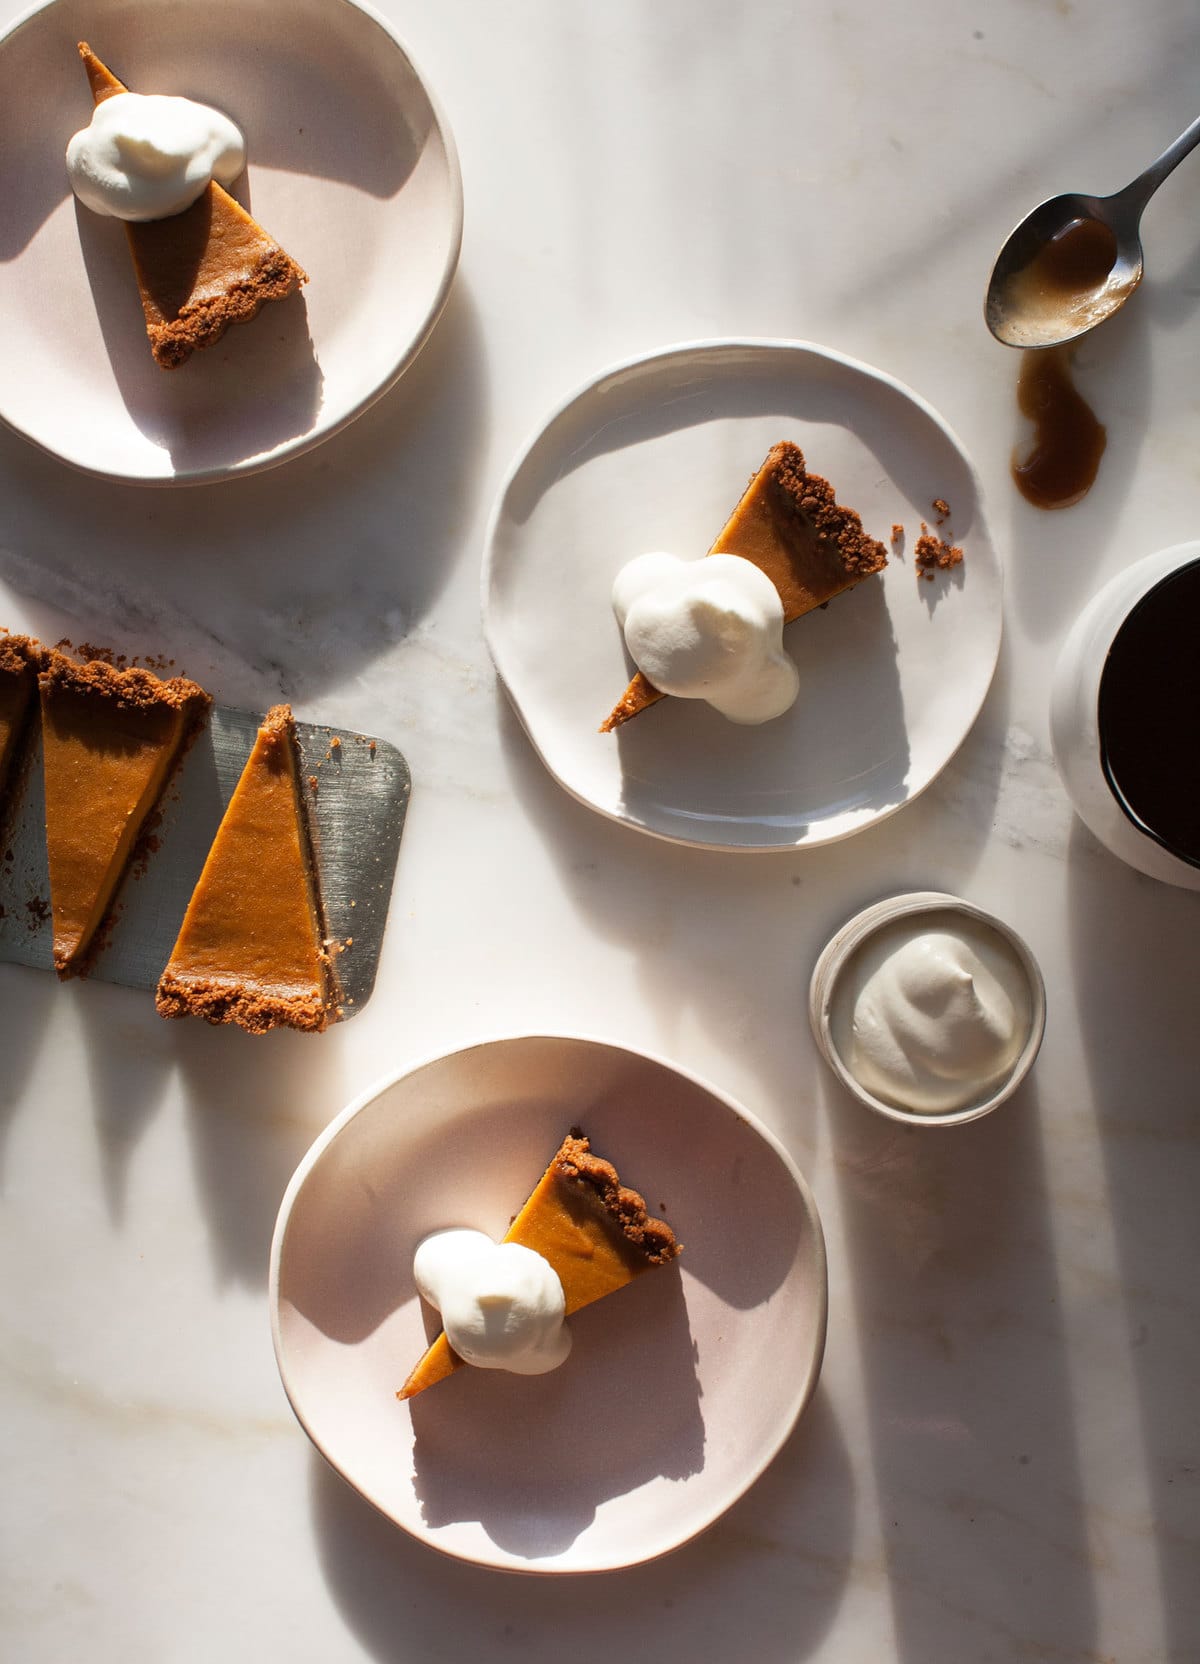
{"points": [[678, 1390], [351, 167], [653, 455]]}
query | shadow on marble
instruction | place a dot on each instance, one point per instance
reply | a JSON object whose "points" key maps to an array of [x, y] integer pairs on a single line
{"points": [[25, 1002], [285, 582], [626, 885], [1042, 158], [1135, 946], [968, 1388], [129, 1055], [1171, 298], [254, 1104], [764, 1583]]}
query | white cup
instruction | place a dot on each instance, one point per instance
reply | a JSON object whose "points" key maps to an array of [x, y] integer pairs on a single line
{"points": [[1074, 717]]}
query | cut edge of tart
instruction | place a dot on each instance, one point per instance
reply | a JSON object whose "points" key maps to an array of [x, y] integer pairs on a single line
{"points": [[199, 271], [20, 660], [595, 1232], [111, 740], [251, 948], [789, 523]]}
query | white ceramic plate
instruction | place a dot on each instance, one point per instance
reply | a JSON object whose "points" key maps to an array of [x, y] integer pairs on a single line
{"points": [[678, 1390], [351, 167], [653, 455]]}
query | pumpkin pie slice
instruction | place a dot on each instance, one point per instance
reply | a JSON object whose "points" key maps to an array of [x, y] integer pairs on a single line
{"points": [[202, 270], [111, 738], [594, 1231], [250, 950], [20, 659], [790, 524]]}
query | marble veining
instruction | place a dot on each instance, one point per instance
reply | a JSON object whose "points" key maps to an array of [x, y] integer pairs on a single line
{"points": [[1000, 1463]]}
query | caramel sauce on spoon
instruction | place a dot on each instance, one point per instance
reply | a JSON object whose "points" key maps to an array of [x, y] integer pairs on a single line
{"points": [[1068, 270]]}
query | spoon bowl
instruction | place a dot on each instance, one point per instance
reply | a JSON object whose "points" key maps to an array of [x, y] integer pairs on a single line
{"points": [[1069, 265], [1075, 260]]}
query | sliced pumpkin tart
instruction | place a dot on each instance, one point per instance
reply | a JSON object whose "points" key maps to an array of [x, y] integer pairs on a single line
{"points": [[250, 950], [593, 1230], [789, 523], [202, 270], [111, 740]]}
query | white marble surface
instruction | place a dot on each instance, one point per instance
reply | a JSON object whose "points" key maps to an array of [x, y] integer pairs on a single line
{"points": [[1001, 1460]]}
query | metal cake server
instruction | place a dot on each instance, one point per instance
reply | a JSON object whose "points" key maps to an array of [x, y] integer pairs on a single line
{"points": [[356, 814]]}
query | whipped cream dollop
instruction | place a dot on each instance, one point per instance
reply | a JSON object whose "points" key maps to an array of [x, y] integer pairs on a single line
{"points": [[502, 1305], [146, 156], [934, 1019], [708, 629]]}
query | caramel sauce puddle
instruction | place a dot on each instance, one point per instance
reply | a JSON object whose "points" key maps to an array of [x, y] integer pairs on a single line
{"points": [[1068, 442]]}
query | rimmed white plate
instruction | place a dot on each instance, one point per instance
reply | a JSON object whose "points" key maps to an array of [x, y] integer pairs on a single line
{"points": [[653, 455], [351, 166], [678, 1390]]}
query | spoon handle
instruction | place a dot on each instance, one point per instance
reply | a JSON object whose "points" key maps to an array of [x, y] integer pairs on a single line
{"points": [[1137, 194]]}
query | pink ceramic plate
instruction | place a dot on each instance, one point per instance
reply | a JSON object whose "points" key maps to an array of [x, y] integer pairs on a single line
{"points": [[351, 167], [651, 454], [678, 1390]]}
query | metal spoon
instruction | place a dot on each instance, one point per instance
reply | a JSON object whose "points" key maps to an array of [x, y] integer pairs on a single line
{"points": [[1022, 310]]}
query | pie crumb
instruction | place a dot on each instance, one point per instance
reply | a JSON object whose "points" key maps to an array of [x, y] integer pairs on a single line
{"points": [[934, 553]]}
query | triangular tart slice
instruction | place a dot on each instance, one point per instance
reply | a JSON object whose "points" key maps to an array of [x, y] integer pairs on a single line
{"points": [[250, 950], [20, 658], [202, 270], [111, 738], [593, 1230], [789, 523]]}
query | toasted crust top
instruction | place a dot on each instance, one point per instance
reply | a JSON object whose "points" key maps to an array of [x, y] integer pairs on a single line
{"points": [[652, 1238], [131, 688], [812, 497], [19, 653]]}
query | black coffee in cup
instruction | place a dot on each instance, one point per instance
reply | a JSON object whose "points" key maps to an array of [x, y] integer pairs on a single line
{"points": [[1149, 714]]}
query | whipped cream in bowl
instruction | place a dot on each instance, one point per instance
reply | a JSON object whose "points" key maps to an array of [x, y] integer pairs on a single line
{"points": [[147, 156], [708, 629], [930, 1010]]}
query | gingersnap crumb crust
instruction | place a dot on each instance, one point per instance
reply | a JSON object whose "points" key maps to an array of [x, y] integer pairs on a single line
{"points": [[255, 1010], [653, 1239], [811, 498], [201, 323], [128, 690], [18, 654]]}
